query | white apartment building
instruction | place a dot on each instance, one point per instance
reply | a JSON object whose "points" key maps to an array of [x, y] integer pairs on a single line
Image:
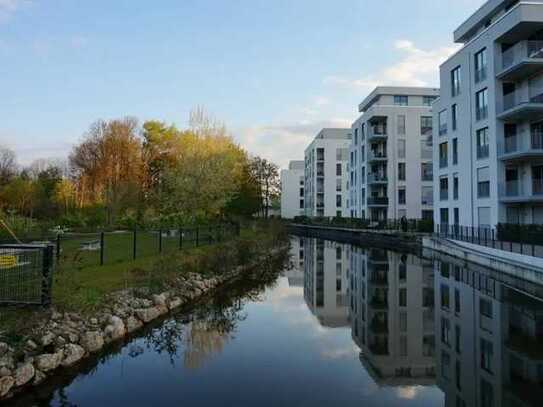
{"points": [[488, 138], [292, 190], [392, 316], [390, 157], [326, 161], [326, 274]]}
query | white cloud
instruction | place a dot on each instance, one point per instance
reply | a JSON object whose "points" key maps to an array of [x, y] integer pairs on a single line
{"points": [[417, 67], [283, 142], [8, 7]]}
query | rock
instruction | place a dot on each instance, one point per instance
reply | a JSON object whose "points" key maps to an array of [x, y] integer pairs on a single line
{"points": [[133, 324], [60, 341], [7, 362], [72, 354], [47, 339], [31, 345], [39, 377], [4, 347], [73, 337], [115, 329], [24, 374], [93, 321], [147, 314], [48, 361], [175, 303], [6, 383], [4, 371], [56, 316], [159, 299], [92, 341]]}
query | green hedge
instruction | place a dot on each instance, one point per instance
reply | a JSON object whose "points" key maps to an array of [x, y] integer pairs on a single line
{"points": [[526, 233]]}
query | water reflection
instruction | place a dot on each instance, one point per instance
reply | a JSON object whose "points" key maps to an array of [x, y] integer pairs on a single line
{"points": [[417, 321]]}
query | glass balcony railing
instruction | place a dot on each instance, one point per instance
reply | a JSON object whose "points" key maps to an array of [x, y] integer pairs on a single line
{"points": [[377, 178], [521, 189], [520, 51], [513, 100], [376, 155], [381, 200], [519, 144], [378, 130]]}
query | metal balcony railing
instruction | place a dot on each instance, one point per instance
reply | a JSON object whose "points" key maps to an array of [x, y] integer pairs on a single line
{"points": [[519, 143], [381, 200], [520, 51], [377, 178]]}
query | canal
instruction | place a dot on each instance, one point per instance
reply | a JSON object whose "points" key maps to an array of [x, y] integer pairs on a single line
{"points": [[342, 326]]}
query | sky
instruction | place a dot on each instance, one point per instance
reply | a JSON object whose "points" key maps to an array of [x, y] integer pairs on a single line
{"points": [[274, 71]]}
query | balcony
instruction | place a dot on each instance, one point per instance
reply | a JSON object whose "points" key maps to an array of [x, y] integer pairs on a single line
{"points": [[517, 147], [377, 179], [377, 131], [375, 155], [522, 60], [379, 303], [517, 109], [378, 201], [519, 191]]}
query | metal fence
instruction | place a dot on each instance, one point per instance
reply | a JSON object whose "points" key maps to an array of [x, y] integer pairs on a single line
{"points": [[79, 250], [26, 274], [487, 237]]}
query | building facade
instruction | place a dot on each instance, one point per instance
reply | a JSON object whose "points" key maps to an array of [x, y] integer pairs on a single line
{"points": [[390, 157], [488, 138], [326, 160], [292, 190]]}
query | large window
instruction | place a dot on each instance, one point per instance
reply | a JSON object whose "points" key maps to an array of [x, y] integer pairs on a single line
{"points": [[427, 195], [428, 100], [338, 170], [483, 182], [401, 125], [455, 186], [455, 81], [480, 65], [401, 171], [482, 143], [401, 148], [445, 330], [481, 104], [454, 113], [401, 100], [401, 196], [487, 352], [444, 188], [442, 122], [485, 307], [444, 217], [338, 201], [427, 173], [455, 151], [443, 155], [426, 125]]}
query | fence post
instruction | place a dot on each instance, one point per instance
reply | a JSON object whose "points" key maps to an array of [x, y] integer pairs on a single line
{"points": [[134, 245], [485, 237], [197, 236], [47, 275], [521, 247], [101, 248], [180, 238], [210, 234], [493, 239], [58, 247], [160, 240]]}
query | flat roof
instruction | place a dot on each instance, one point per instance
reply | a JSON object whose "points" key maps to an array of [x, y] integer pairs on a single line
{"points": [[296, 165], [396, 90]]}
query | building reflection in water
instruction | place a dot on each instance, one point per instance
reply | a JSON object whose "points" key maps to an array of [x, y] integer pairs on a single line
{"points": [[475, 333], [326, 275], [295, 273]]}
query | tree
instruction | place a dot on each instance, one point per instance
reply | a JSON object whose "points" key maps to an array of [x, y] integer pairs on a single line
{"points": [[64, 195], [109, 166], [8, 165], [247, 200], [266, 175]]}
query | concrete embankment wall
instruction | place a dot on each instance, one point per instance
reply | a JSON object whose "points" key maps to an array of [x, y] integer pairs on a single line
{"points": [[408, 242], [517, 265]]}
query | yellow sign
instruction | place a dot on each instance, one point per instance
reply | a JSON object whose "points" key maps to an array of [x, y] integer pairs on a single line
{"points": [[8, 261]]}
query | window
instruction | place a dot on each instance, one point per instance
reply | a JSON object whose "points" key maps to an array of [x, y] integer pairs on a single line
{"points": [[445, 364], [401, 148], [455, 81], [403, 297], [480, 65], [301, 192], [482, 143], [485, 307], [454, 114], [403, 321], [481, 104], [301, 204], [338, 253], [401, 196], [401, 100], [458, 339], [427, 197], [403, 345], [455, 151], [401, 171], [426, 125], [443, 155], [338, 169], [457, 375], [426, 148], [444, 188], [428, 100], [483, 182], [401, 125], [356, 136], [427, 171], [455, 186], [487, 351], [338, 201], [487, 394], [457, 301], [445, 300], [338, 184], [445, 331], [320, 154], [442, 122], [444, 217]]}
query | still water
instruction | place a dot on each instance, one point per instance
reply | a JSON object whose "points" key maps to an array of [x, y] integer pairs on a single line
{"points": [[343, 326]]}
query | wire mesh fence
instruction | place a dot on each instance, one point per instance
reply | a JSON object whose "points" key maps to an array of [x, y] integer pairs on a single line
{"points": [[26, 274]]}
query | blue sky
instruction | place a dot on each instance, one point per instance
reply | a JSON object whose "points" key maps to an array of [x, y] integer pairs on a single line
{"points": [[274, 71]]}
